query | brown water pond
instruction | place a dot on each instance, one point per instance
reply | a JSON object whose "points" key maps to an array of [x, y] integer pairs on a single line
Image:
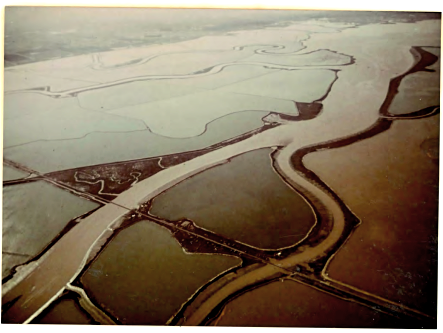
{"points": [[244, 199], [390, 182], [64, 311], [143, 276], [290, 303]]}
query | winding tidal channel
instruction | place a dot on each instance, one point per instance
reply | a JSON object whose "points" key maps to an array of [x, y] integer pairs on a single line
{"points": [[39, 283]]}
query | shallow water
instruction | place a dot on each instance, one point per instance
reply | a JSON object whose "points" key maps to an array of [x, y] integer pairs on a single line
{"points": [[97, 148], [419, 90], [244, 200], [143, 276], [187, 116], [316, 58], [12, 173], [133, 93], [35, 213], [68, 122], [306, 85], [11, 260]]}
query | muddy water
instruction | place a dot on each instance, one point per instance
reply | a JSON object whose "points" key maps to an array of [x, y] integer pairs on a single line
{"points": [[97, 148], [143, 276], [393, 252], [65, 311], [290, 303], [34, 213], [244, 200]]}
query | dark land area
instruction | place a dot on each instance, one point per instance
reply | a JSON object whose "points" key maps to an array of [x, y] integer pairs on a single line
{"points": [[34, 34]]}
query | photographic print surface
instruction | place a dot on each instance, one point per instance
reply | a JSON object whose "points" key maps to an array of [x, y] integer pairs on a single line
{"points": [[220, 167]]}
